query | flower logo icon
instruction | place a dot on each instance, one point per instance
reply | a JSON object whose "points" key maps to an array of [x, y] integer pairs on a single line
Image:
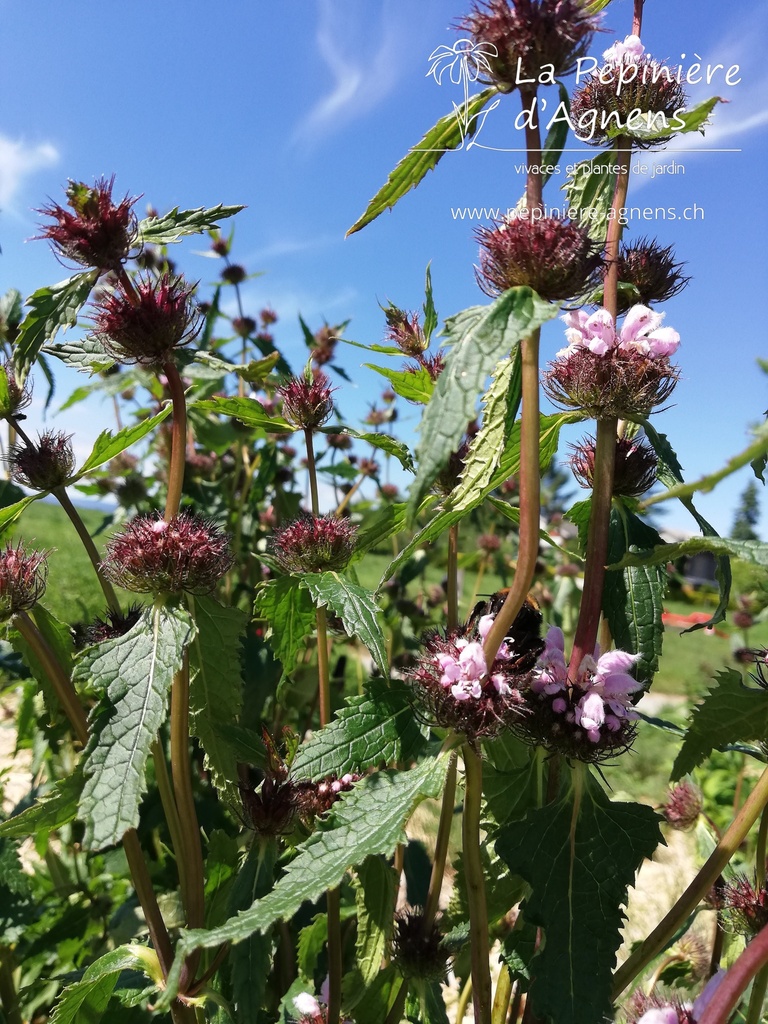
{"points": [[464, 62]]}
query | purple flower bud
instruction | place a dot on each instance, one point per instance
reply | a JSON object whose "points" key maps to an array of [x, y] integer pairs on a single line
{"points": [[315, 544], [307, 401], [683, 806], [23, 576], [45, 465]]}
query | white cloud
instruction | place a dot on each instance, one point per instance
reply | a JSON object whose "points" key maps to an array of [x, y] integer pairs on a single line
{"points": [[18, 160], [362, 74]]}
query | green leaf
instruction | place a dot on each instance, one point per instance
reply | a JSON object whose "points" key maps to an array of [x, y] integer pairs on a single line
{"points": [[633, 597], [85, 1001], [216, 686], [556, 137], [424, 1003], [312, 942], [55, 810], [375, 894], [729, 712], [449, 133], [175, 225], [50, 309], [384, 442], [250, 961], [694, 119], [412, 385], [108, 445], [593, 6], [370, 1003], [384, 801], [247, 411], [579, 855], [134, 674], [356, 608], [389, 520], [58, 636], [289, 611], [480, 337], [82, 354], [11, 513], [430, 313], [377, 728], [589, 193]]}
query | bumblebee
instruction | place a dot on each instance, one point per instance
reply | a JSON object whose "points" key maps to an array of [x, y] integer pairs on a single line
{"points": [[524, 636]]}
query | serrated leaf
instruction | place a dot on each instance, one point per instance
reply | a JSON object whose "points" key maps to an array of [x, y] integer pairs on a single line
{"points": [[370, 1003], [49, 310], [250, 961], [385, 443], [556, 136], [579, 856], [412, 385], [356, 608], [55, 810], [374, 729], [108, 445], [425, 1004], [216, 686], [11, 513], [87, 999], [289, 611], [449, 133], [82, 354], [375, 893], [633, 597], [518, 949], [430, 313], [589, 193], [693, 120], [753, 551], [480, 337], [312, 941], [175, 225], [134, 673], [385, 801], [729, 712], [247, 411]]}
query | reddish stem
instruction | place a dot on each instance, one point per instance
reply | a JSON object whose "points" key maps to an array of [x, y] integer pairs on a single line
{"points": [[534, 183], [729, 991], [178, 441], [637, 20]]}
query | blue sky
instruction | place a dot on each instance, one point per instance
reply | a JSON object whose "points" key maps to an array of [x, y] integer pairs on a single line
{"points": [[300, 110]]}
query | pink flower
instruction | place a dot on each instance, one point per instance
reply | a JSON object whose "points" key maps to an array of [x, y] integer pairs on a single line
{"points": [[642, 334], [590, 715], [308, 1006], [630, 51], [596, 332]]}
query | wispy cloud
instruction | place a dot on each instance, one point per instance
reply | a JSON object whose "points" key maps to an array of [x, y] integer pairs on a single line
{"points": [[18, 160], [365, 59]]}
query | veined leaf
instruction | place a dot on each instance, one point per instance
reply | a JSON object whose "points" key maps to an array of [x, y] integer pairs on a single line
{"points": [[216, 686], [752, 551], [385, 801], [694, 120], [108, 445], [589, 193], [387, 521], [412, 385], [247, 411], [59, 638], [449, 133], [55, 810], [480, 337], [377, 728], [50, 309], [729, 712], [87, 999], [288, 610], [82, 354], [11, 513], [355, 607], [385, 443], [175, 225], [430, 313], [250, 961], [375, 894], [134, 674], [633, 597], [312, 941], [556, 136], [579, 856]]}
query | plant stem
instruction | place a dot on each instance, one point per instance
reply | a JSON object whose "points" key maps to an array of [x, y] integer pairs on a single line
{"points": [[729, 991], [517, 1000], [178, 458], [757, 998], [597, 545], [170, 810], [453, 577], [760, 850], [441, 845], [637, 19], [335, 964], [475, 882], [395, 1014], [502, 997], [530, 498], [9, 998], [463, 1003], [613, 238], [731, 840], [145, 894], [312, 472], [82, 531], [534, 196], [191, 851]]}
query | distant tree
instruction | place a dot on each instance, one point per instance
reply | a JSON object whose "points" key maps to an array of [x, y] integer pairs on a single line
{"points": [[747, 514]]}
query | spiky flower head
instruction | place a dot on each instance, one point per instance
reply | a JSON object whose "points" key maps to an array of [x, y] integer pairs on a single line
{"points": [[553, 256], [743, 908], [634, 467], [12, 397], [608, 372], [658, 1008], [631, 95], [434, 365], [307, 400], [152, 556], [528, 35], [652, 270], [95, 231], [589, 718], [418, 951], [23, 576], [144, 323], [489, 543], [315, 544], [405, 331], [45, 465], [460, 691], [683, 806], [113, 624]]}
